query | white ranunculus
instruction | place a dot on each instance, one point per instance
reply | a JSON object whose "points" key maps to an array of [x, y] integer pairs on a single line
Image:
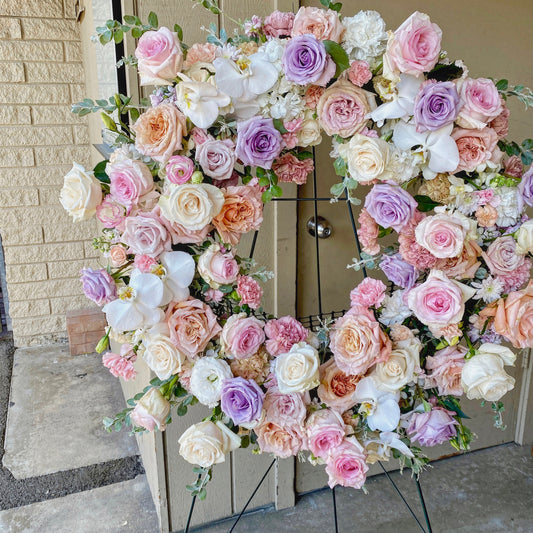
{"points": [[401, 367], [381, 408], [297, 370], [192, 205], [162, 356], [366, 157], [365, 36], [81, 193], [207, 443], [524, 238], [207, 376]]}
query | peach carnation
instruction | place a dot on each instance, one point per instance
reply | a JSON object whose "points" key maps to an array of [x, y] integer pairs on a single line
{"points": [[368, 233], [200, 52]]}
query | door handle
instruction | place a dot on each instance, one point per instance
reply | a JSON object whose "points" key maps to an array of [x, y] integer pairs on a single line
{"points": [[323, 228]]}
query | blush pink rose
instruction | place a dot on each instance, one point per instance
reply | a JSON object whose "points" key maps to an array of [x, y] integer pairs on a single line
{"points": [[217, 268], [446, 367], [118, 255], [217, 158], [415, 46], [110, 213], [323, 24], [242, 336], [151, 410], [283, 333], [289, 168], [346, 465], [146, 234], [130, 179], [410, 250], [501, 256], [192, 325], [325, 431], [442, 235], [179, 169], [481, 102], [200, 53], [476, 147], [278, 24], [213, 295], [159, 56], [249, 291], [336, 389], [180, 234], [281, 441], [284, 409], [343, 109], [369, 293], [358, 342], [144, 263], [514, 166], [359, 73]]}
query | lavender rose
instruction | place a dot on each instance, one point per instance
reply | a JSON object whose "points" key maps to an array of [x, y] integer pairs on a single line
{"points": [[526, 187], [217, 158], [241, 399], [390, 206], [399, 271], [305, 61], [258, 142], [98, 286], [433, 427], [436, 105]]}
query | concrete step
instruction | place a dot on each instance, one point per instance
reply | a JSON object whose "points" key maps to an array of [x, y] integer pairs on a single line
{"points": [[57, 403], [123, 507]]}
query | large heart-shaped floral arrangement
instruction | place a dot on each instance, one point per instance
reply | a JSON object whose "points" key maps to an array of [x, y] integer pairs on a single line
{"points": [[188, 176]]}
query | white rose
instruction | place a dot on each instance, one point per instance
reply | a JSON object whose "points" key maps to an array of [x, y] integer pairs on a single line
{"points": [[162, 356], [366, 157], [309, 134], [81, 193], [297, 370], [401, 368], [207, 443], [483, 376], [192, 205], [524, 238], [207, 376]]}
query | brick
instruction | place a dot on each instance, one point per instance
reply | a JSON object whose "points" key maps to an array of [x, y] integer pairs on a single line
{"points": [[73, 51], [77, 92], [29, 308], [54, 72], [60, 306], [34, 94], [45, 215], [15, 236], [49, 196], [19, 197], [51, 30], [54, 114], [43, 289], [11, 72], [36, 135], [82, 349], [70, 269], [63, 155], [15, 157], [10, 114], [35, 326], [33, 177], [23, 273], [27, 8], [69, 9], [17, 255], [78, 231], [81, 134], [31, 50], [10, 28], [90, 252]]}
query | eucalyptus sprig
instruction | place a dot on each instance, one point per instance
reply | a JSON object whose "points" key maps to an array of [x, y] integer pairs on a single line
{"points": [[114, 30], [523, 93], [198, 487]]}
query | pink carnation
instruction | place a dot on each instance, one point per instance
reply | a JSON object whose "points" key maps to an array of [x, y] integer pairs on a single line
{"points": [[312, 95], [289, 168], [213, 295], [121, 365], [368, 233], [204, 52], [370, 292], [293, 127], [446, 367], [250, 291], [410, 250], [144, 263], [501, 123], [512, 166], [282, 333], [516, 278], [359, 73], [278, 24]]}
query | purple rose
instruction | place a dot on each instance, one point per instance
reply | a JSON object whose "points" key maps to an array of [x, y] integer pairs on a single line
{"points": [[437, 104], [258, 142], [432, 427], [98, 286], [241, 399], [399, 271], [526, 187], [305, 61], [390, 206]]}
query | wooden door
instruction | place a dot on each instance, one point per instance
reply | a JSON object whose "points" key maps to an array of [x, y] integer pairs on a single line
{"points": [[469, 31]]}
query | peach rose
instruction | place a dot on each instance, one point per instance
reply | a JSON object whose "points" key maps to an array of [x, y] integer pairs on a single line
{"points": [[118, 255], [464, 265], [242, 212], [324, 25], [476, 147], [336, 388], [281, 441], [192, 325], [514, 317], [446, 367], [160, 131]]}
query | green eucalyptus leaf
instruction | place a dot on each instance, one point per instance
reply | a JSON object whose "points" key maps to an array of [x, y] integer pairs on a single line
{"points": [[152, 19]]}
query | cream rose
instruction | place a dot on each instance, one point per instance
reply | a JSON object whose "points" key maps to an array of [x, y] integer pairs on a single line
{"points": [[207, 443], [192, 205], [162, 356], [524, 238], [442, 235], [484, 377], [367, 157], [81, 193], [309, 133], [207, 376], [151, 410], [297, 370]]}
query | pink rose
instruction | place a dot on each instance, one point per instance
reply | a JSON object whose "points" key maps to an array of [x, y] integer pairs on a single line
{"points": [[446, 367], [343, 108], [281, 441], [346, 465], [192, 325], [160, 131], [357, 342], [199, 135], [217, 158], [283, 333], [415, 46], [144, 263], [118, 255], [130, 179], [442, 235], [501, 256], [146, 234], [110, 213], [289, 168], [512, 166], [500, 124], [242, 336], [200, 52], [325, 431], [359, 73], [179, 169], [278, 24], [369, 293], [213, 295], [151, 410], [336, 388], [481, 103], [249, 291], [476, 147], [159, 57], [324, 25], [410, 250], [217, 268], [284, 409]]}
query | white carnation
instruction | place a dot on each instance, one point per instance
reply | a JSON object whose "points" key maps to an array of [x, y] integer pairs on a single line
{"points": [[395, 311], [207, 376], [365, 35]]}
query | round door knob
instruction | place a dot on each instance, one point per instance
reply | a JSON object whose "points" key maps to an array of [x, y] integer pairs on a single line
{"points": [[321, 226]]}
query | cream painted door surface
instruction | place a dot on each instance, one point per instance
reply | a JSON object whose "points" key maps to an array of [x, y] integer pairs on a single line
{"points": [[494, 39]]}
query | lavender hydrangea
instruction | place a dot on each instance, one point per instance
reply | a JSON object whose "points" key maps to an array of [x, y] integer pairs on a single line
{"points": [[304, 59], [437, 104], [241, 399], [399, 271], [258, 142], [98, 286]]}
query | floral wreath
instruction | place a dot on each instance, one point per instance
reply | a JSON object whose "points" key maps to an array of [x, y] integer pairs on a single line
{"points": [[228, 121]]}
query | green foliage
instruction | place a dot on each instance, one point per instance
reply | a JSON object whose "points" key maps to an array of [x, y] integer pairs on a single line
{"points": [[198, 487], [100, 173], [114, 30], [120, 420], [445, 72], [337, 53], [425, 203], [328, 4], [211, 5], [524, 151], [523, 93]]}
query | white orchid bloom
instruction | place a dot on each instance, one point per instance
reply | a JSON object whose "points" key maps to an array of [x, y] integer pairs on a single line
{"points": [[381, 446], [200, 101], [402, 106], [381, 408], [137, 304], [438, 147], [178, 273]]}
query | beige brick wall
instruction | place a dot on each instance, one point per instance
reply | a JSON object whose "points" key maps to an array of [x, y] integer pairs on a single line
{"points": [[41, 75]]}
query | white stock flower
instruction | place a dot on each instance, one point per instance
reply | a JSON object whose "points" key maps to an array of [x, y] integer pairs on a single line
{"points": [[207, 376], [394, 311], [510, 207], [365, 36], [81, 193], [297, 370]]}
